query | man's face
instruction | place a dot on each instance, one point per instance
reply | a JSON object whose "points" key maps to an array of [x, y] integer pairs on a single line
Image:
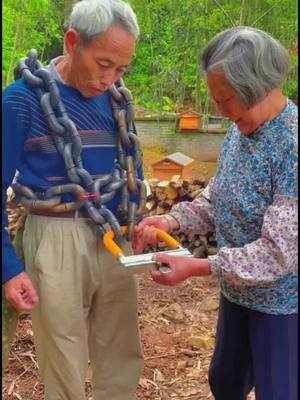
{"points": [[95, 66]]}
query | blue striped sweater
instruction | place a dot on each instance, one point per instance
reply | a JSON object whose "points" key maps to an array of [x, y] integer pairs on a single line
{"points": [[27, 147]]}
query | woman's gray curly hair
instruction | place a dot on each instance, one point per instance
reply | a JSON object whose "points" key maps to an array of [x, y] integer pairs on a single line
{"points": [[252, 61]]}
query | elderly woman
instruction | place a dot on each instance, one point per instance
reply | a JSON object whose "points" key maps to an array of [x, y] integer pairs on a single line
{"points": [[251, 204]]}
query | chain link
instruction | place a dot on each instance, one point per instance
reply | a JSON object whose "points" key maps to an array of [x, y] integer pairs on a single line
{"points": [[88, 192]]}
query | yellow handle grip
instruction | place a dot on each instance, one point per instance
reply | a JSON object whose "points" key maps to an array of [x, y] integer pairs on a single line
{"points": [[171, 242], [109, 243], [116, 251]]}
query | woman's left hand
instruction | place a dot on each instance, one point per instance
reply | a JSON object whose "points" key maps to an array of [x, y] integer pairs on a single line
{"points": [[181, 268]]}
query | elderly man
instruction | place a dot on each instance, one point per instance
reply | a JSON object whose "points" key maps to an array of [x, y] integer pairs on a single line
{"points": [[83, 307]]}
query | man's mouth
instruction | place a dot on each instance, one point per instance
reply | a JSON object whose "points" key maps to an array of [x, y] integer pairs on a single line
{"points": [[97, 90]]}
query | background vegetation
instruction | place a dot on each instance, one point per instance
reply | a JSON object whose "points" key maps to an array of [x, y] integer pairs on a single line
{"points": [[164, 73]]}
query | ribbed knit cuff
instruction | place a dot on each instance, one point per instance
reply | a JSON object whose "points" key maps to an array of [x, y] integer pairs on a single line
{"points": [[169, 219], [214, 264]]}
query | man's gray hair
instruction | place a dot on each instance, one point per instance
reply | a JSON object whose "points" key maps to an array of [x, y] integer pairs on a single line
{"points": [[253, 62], [93, 17]]}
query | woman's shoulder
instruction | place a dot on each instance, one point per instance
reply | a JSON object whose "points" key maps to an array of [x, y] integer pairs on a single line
{"points": [[289, 116], [283, 130]]}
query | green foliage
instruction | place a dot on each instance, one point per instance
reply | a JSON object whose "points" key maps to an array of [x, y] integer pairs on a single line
{"points": [[290, 87], [173, 32], [28, 24], [165, 69]]}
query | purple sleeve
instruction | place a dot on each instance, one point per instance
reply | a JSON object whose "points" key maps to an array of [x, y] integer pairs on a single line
{"points": [[270, 257]]}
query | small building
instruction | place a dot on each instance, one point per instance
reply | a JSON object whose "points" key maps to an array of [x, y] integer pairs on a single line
{"points": [[174, 164], [190, 121]]}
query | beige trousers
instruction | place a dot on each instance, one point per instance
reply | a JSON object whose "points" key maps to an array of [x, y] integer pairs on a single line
{"points": [[87, 311]]}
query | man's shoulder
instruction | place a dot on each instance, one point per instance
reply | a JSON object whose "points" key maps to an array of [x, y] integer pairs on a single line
{"points": [[19, 88]]}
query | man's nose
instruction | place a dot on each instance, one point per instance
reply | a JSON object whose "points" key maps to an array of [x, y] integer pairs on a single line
{"points": [[108, 77]]}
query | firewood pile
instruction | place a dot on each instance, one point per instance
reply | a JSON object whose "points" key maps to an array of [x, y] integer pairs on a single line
{"points": [[164, 194]]}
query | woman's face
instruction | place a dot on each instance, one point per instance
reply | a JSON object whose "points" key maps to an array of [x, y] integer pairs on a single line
{"points": [[230, 105]]}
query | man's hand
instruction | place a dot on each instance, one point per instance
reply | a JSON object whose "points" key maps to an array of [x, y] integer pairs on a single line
{"points": [[20, 293], [181, 268]]}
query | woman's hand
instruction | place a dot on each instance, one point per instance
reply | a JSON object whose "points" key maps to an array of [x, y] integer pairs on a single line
{"points": [[145, 233], [181, 268]]}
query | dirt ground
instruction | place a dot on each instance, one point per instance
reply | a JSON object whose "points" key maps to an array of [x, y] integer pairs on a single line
{"points": [[168, 318], [177, 327]]}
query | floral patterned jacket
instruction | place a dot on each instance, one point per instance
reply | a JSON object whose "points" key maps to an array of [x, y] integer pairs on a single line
{"points": [[252, 204]]}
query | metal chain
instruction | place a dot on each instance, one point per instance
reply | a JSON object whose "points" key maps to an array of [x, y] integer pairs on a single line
{"points": [[66, 137]]}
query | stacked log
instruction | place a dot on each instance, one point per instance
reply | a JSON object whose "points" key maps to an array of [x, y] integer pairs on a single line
{"points": [[165, 194]]}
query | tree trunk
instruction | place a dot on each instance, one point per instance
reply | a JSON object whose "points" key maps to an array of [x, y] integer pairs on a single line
{"points": [[67, 11], [68, 8], [198, 95], [12, 59], [198, 105], [18, 43], [243, 12]]}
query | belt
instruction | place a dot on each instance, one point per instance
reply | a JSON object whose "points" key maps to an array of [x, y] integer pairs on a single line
{"points": [[65, 214]]}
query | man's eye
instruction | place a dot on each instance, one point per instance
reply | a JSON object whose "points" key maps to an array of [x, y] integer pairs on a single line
{"points": [[103, 65]]}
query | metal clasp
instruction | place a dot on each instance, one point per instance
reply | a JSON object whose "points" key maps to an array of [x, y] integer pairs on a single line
{"points": [[142, 262]]}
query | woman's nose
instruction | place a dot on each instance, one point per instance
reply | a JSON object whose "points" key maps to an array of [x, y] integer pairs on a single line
{"points": [[224, 110]]}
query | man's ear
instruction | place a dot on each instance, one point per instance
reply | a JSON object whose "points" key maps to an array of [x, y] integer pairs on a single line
{"points": [[71, 41]]}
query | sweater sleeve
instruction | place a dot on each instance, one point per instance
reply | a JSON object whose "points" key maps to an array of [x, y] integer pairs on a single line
{"points": [[196, 216], [270, 257], [15, 124]]}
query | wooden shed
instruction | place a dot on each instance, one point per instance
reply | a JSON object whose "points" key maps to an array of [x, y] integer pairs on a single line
{"points": [[174, 164], [190, 120]]}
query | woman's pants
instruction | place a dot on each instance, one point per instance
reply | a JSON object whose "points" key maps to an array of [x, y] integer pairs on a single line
{"points": [[257, 350]]}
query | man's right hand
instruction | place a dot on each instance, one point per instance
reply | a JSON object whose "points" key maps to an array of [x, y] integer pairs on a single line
{"points": [[20, 293], [145, 234]]}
